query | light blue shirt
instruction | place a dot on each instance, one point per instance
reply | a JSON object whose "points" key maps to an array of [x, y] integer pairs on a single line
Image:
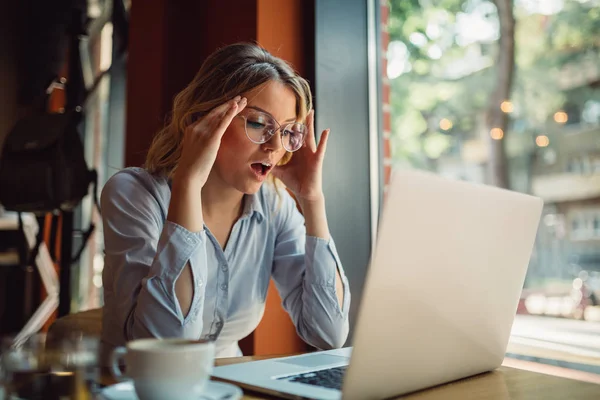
{"points": [[145, 253]]}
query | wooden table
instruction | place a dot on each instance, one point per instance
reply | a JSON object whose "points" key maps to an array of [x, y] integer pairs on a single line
{"points": [[502, 384]]}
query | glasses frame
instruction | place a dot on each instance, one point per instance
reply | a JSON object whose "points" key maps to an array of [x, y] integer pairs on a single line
{"points": [[279, 128]]}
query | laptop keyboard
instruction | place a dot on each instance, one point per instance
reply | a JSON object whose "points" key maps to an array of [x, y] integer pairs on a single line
{"points": [[330, 378]]}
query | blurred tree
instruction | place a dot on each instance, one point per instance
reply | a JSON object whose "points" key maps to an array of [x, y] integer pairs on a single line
{"points": [[497, 117], [456, 74]]}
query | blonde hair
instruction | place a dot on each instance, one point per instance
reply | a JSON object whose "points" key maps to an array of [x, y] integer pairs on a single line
{"points": [[228, 72]]}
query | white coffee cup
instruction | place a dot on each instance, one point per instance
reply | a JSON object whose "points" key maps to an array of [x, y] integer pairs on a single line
{"points": [[175, 369]]}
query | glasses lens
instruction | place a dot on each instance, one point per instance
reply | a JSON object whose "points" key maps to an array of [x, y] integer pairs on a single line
{"points": [[259, 127], [293, 136]]}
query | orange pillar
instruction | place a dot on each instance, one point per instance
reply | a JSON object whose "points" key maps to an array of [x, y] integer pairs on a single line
{"points": [[281, 30], [145, 78]]}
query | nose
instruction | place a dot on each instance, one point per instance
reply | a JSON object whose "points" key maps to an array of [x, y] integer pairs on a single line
{"points": [[275, 143]]}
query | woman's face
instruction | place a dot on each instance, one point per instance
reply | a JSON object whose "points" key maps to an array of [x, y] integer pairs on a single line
{"points": [[241, 163]]}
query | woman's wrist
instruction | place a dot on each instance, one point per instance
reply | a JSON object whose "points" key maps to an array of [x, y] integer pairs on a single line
{"points": [[182, 178], [313, 201], [185, 206], [315, 217]]}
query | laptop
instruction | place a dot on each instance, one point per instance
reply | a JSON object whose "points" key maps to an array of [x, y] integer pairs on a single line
{"points": [[439, 299]]}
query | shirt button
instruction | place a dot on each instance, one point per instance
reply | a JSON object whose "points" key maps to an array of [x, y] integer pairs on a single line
{"points": [[224, 286], [224, 267], [189, 240], [200, 283], [219, 324]]}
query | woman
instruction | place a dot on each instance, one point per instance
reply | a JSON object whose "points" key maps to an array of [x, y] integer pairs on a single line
{"points": [[193, 239]]}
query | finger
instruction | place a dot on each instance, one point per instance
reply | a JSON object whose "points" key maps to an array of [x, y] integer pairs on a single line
{"points": [[216, 114], [216, 122], [241, 105], [323, 144], [197, 120], [223, 108], [277, 172], [280, 170], [310, 140], [229, 115]]}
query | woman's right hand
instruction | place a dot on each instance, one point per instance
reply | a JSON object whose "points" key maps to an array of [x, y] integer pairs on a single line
{"points": [[202, 139], [199, 148]]}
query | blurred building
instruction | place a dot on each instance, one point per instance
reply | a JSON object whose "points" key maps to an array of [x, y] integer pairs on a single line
{"points": [[567, 177], [560, 164]]}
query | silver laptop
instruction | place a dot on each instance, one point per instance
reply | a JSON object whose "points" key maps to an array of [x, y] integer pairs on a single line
{"points": [[439, 299]]}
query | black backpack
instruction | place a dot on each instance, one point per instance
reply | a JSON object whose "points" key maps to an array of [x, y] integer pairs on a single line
{"points": [[43, 167]]}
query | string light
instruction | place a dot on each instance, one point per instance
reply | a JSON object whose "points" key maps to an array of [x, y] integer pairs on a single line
{"points": [[507, 107], [542, 141], [445, 124], [561, 117], [497, 133]]}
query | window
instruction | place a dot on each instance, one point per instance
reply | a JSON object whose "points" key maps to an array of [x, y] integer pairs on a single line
{"points": [[443, 71], [97, 51]]}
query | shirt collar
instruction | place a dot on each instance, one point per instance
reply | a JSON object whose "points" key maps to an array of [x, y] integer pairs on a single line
{"points": [[253, 206]]}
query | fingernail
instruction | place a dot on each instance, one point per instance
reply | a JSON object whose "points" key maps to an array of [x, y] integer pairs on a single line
{"points": [[244, 100], [237, 98]]}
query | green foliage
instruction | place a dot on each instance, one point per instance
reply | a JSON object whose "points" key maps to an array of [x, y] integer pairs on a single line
{"points": [[452, 78], [575, 32]]}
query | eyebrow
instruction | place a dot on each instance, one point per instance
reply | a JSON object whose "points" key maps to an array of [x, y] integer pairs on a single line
{"points": [[269, 114]]}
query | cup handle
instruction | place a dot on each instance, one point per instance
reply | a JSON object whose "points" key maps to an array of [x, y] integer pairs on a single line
{"points": [[116, 356]]}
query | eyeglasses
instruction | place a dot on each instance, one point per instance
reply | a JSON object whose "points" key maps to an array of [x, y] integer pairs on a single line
{"points": [[260, 128]]}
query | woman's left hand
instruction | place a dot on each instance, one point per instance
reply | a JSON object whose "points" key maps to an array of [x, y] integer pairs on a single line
{"points": [[303, 174]]}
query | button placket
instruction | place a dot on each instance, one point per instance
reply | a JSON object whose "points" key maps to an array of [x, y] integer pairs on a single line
{"points": [[222, 295]]}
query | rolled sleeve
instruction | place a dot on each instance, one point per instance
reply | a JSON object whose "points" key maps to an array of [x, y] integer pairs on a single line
{"points": [[175, 246], [305, 274], [144, 256], [322, 264]]}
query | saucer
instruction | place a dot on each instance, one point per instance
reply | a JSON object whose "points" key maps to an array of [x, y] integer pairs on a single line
{"points": [[213, 391]]}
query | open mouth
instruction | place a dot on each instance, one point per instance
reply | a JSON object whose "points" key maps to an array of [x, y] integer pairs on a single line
{"points": [[261, 168]]}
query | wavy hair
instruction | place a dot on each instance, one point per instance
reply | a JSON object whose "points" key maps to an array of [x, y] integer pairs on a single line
{"points": [[225, 74]]}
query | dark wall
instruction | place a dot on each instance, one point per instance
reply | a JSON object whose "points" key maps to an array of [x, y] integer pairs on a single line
{"points": [[342, 104], [8, 89], [33, 41], [166, 51]]}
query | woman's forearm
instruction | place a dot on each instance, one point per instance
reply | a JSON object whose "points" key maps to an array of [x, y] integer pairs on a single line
{"points": [[185, 206], [185, 209], [315, 219]]}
